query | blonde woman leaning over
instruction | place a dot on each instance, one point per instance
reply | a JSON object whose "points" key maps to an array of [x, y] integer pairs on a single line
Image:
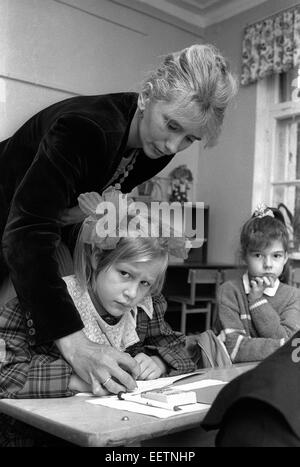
{"points": [[86, 144]]}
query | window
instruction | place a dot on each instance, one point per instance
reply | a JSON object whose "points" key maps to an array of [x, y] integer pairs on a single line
{"points": [[277, 148]]}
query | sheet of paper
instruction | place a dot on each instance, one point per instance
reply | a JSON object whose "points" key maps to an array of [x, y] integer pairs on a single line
{"points": [[204, 383], [162, 382], [155, 383], [139, 405], [114, 403]]}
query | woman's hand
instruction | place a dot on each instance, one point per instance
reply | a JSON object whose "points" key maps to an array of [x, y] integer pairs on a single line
{"points": [[97, 364], [258, 285], [151, 367]]}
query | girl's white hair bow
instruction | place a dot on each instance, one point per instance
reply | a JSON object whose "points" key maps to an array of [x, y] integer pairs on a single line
{"points": [[107, 222], [262, 210]]}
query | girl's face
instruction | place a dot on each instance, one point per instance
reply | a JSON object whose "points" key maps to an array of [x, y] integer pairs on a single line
{"points": [[123, 285], [161, 132], [267, 262]]}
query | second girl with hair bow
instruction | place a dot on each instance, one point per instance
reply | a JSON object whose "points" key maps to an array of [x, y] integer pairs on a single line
{"points": [[258, 313]]}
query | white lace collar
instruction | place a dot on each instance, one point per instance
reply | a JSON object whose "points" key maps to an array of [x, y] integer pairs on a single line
{"points": [[121, 335], [146, 305]]}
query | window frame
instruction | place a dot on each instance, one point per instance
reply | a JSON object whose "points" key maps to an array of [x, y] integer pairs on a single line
{"points": [[268, 112]]}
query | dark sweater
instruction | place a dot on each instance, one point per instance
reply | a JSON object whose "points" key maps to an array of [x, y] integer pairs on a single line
{"points": [[253, 332]]}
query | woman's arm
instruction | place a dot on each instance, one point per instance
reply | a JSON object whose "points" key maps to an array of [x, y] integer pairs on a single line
{"points": [[28, 371], [63, 164]]}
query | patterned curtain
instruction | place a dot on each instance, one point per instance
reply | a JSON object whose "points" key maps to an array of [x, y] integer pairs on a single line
{"points": [[271, 46]]}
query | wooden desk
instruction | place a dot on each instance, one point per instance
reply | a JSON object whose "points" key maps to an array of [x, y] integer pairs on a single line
{"points": [[84, 424]]}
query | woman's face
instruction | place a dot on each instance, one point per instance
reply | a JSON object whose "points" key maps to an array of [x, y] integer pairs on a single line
{"points": [[162, 132]]}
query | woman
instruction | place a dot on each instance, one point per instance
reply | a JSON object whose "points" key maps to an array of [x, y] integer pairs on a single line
{"points": [[88, 144]]}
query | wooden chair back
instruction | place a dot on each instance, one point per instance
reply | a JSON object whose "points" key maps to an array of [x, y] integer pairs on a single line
{"points": [[295, 277], [230, 274], [202, 276]]}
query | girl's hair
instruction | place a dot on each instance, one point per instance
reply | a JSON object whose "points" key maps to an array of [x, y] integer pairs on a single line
{"points": [[259, 232], [89, 260], [198, 74]]}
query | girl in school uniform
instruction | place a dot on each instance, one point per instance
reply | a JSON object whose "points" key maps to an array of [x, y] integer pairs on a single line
{"points": [[258, 313], [116, 289], [261, 321]]}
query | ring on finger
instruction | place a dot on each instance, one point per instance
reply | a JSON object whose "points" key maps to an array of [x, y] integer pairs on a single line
{"points": [[106, 381]]}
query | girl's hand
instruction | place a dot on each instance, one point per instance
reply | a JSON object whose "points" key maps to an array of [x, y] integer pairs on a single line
{"points": [[258, 285], [77, 384], [151, 367]]}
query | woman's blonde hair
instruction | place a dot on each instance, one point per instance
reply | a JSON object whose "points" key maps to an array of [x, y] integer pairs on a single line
{"points": [[198, 74]]}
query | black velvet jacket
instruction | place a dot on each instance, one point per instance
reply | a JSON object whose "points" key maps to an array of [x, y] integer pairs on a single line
{"points": [[71, 147]]}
